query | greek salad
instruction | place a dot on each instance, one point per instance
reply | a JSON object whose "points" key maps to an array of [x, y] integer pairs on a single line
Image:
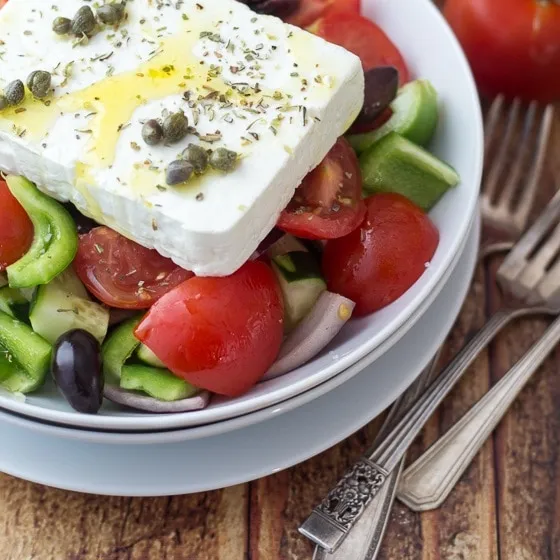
{"points": [[198, 195]]}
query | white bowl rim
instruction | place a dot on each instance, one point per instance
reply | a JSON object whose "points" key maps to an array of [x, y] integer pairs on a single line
{"points": [[426, 290]]}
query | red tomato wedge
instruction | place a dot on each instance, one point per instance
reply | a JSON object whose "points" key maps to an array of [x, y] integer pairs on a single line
{"points": [[3, 3], [362, 37], [328, 203], [311, 10], [16, 229], [380, 261], [220, 334], [123, 274]]}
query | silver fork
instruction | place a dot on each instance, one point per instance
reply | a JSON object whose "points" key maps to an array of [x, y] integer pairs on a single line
{"points": [[331, 521], [526, 272]]}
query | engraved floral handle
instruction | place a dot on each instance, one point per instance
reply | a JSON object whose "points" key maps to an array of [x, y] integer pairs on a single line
{"points": [[330, 521], [426, 484]]}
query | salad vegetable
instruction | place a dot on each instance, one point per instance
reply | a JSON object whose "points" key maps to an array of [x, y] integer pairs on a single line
{"points": [[24, 356], [395, 164], [54, 242], [375, 264]]}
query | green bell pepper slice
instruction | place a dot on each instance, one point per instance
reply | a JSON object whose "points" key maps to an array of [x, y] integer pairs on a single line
{"points": [[55, 241]]}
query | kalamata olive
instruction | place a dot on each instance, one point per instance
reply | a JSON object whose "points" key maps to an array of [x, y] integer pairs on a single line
{"points": [[77, 371], [278, 8], [381, 86]]}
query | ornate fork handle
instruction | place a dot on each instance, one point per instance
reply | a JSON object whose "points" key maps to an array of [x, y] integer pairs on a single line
{"points": [[426, 483], [330, 521]]}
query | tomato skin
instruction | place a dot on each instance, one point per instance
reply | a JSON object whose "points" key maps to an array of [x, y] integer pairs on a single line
{"points": [[16, 229], [220, 334], [311, 10], [379, 262], [328, 203], [364, 38], [123, 274], [513, 47]]}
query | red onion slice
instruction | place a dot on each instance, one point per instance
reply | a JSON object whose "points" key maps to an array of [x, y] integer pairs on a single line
{"points": [[323, 323], [149, 404]]}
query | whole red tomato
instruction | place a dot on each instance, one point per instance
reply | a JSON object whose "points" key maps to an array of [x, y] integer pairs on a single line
{"points": [[513, 47], [377, 263]]}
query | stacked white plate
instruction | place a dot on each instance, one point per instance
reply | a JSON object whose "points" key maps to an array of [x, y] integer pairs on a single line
{"points": [[367, 366]]}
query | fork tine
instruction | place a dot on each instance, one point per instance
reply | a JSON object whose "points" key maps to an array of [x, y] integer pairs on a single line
{"points": [[528, 194], [491, 183], [524, 149], [533, 273], [518, 257], [492, 120]]}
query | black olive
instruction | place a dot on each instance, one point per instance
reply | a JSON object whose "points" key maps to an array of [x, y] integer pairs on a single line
{"points": [[381, 86], [76, 368], [278, 8]]}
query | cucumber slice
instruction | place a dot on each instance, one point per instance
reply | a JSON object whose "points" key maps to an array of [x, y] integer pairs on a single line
{"points": [[69, 282], [145, 355], [55, 241], [397, 165], [301, 283], [25, 356], [415, 116], [14, 303], [55, 311], [160, 384], [120, 345]]}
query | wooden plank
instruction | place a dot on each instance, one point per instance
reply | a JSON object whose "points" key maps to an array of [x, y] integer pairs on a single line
{"points": [[527, 443], [43, 524]]}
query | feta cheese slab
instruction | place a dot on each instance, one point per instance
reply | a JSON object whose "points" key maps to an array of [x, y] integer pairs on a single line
{"points": [[275, 94]]}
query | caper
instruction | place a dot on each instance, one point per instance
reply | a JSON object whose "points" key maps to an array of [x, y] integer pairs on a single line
{"points": [[39, 83], [223, 159], [15, 92], [61, 25], [178, 171], [197, 156], [111, 14], [152, 132], [175, 128], [83, 22], [3, 102]]}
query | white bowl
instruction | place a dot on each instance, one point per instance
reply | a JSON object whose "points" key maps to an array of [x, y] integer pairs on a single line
{"points": [[432, 51]]}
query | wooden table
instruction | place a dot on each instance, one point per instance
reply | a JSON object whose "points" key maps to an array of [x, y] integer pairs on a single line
{"points": [[506, 506]]}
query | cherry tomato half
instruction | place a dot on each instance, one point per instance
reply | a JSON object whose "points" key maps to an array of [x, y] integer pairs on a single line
{"points": [[380, 261], [362, 37], [328, 203], [513, 47], [220, 334], [16, 229], [310, 10], [123, 274]]}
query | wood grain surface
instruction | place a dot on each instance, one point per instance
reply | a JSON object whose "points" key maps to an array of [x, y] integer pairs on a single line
{"points": [[507, 505]]}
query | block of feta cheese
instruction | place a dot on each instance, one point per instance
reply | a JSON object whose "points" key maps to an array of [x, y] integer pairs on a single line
{"points": [[276, 95]]}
